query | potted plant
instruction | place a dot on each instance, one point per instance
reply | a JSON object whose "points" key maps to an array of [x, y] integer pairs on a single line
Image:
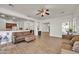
{"points": [[70, 31]]}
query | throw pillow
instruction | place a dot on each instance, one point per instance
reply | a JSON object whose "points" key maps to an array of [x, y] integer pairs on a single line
{"points": [[76, 46], [75, 38]]}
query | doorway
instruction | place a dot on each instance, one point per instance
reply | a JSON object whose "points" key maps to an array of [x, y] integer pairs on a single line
{"points": [[46, 29]]}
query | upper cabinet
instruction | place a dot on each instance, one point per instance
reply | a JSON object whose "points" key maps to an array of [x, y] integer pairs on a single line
{"points": [[9, 26]]}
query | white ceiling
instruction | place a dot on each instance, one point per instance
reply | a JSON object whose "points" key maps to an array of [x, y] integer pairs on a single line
{"points": [[30, 10]]}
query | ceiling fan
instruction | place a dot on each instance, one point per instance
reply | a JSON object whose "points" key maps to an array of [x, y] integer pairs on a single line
{"points": [[43, 12]]}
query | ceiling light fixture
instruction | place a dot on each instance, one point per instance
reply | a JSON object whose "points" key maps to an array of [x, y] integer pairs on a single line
{"points": [[43, 12]]}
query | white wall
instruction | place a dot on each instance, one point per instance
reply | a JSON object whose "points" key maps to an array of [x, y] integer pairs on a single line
{"points": [[56, 25], [77, 26], [45, 28], [36, 28], [76, 15], [55, 28], [25, 25], [29, 25], [20, 24], [2, 24]]}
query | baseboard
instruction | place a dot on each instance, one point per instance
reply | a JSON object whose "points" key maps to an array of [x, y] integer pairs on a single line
{"points": [[55, 37]]}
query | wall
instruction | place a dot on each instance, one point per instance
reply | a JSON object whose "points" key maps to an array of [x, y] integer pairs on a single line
{"points": [[45, 27], [25, 25], [42, 27], [76, 15], [29, 25], [36, 28], [20, 24], [2, 24], [56, 25], [77, 26]]}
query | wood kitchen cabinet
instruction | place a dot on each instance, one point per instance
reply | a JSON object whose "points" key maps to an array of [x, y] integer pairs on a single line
{"points": [[10, 25]]}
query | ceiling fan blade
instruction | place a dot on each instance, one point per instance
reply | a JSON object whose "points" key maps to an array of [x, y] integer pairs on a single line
{"points": [[42, 15], [47, 13], [40, 10], [47, 9], [38, 13]]}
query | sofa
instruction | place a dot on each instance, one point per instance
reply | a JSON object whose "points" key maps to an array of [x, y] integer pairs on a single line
{"points": [[70, 47], [22, 36]]}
